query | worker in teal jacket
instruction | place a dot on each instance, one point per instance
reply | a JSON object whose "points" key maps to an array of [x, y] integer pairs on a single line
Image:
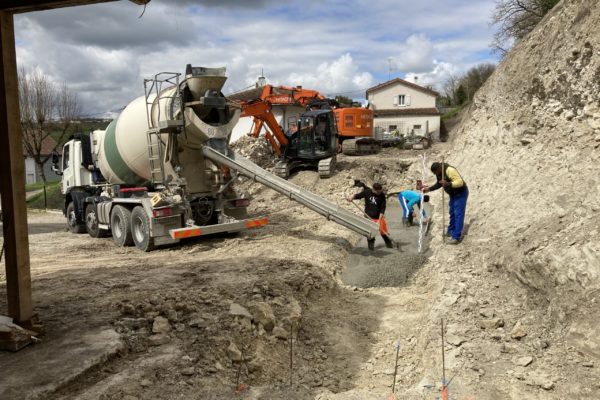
{"points": [[408, 199]]}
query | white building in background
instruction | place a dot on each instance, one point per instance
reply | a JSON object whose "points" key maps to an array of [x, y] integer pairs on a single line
{"points": [[405, 107]]}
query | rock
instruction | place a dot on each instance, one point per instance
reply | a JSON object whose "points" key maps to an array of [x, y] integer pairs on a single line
{"points": [[188, 371], [492, 323], [234, 353], [128, 309], [263, 314], [134, 323], [161, 325], [159, 339], [197, 321], [145, 382], [588, 364], [518, 331], [487, 313], [172, 315], [455, 340], [280, 333], [523, 361], [239, 311], [541, 380]]}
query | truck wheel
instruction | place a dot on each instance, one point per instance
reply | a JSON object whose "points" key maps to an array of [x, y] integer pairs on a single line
{"points": [[91, 222], [140, 229], [120, 223], [72, 223]]}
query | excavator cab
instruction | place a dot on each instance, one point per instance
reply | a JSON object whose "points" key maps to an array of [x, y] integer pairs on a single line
{"points": [[314, 144], [315, 138]]}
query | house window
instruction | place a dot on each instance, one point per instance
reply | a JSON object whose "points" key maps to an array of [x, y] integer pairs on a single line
{"points": [[392, 128], [402, 100]]}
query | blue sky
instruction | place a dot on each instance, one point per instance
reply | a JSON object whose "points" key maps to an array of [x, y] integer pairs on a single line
{"points": [[104, 51]]}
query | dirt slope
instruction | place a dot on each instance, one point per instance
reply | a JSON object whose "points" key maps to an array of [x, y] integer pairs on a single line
{"points": [[529, 150]]}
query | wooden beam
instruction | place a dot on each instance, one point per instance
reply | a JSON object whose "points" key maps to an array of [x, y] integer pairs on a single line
{"points": [[12, 180], [21, 6]]}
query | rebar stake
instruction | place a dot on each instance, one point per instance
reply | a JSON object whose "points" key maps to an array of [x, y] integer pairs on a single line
{"points": [[396, 366]]}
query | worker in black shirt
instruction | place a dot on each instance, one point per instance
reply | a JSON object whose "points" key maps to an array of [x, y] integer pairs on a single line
{"points": [[374, 208]]}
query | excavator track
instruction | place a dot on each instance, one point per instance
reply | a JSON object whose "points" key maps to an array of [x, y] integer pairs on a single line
{"points": [[360, 147], [326, 167], [282, 169]]}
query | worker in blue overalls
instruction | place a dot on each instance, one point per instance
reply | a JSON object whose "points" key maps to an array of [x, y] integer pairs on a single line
{"points": [[408, 199], [448, 178]]}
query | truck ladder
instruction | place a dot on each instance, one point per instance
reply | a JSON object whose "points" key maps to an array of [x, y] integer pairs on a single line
{"points": [[324, 207], [155, 157]]}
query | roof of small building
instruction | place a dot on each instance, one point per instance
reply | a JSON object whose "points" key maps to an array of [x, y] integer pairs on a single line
{"points": [[48, 145], [405, 111], [405, 83]]}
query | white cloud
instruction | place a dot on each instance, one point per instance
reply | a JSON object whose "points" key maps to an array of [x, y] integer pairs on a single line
{"points": [[340, 75], [104, 51], [436, 78], [416, 54]]}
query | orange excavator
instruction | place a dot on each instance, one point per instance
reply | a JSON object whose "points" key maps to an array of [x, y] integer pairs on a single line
{"points": [[310, 142], [317, 135]]}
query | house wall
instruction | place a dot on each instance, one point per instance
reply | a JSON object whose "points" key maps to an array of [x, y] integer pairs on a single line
{"points": [[384, 98], [33, 175], [406, 125]]}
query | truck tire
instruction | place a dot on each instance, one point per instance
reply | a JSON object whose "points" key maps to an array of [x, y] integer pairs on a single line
{"points": [[120, 223], [72, 223], [91, 222], [140, 229]]}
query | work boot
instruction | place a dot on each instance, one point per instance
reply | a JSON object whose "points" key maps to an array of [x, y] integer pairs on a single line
{"points": [[371, 244], [453, 241], [388, 242]]}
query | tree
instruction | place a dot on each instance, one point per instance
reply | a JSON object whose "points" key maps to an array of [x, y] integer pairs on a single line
{"points": [[344, 100], [461, 89], [45, 107], [516, 18]]}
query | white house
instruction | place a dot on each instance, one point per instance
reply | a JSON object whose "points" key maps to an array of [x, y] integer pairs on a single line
{"points": [[406, 107]]}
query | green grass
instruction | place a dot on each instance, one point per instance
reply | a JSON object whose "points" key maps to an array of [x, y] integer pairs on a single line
{"points": [[38, 185], [54, 198], [453, 113]]}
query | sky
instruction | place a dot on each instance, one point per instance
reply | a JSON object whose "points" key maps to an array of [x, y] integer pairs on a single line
{"points": [[104, 51]]}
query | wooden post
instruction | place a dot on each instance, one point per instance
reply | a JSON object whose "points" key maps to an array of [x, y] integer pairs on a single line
{"points": [[12, 180]]}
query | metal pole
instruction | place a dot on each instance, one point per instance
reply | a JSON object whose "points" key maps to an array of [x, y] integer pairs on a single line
{"points": [[396, 367], [444, 389], [443, 203], [291, 352]]}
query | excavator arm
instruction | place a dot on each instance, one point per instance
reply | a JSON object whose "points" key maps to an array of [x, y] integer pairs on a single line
{"points": [[261, 111]]}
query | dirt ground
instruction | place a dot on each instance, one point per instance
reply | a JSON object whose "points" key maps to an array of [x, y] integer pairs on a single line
{"points": [[199, 318]]}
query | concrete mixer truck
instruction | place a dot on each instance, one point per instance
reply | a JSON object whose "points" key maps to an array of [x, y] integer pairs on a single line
{"points": [[163, 170]]}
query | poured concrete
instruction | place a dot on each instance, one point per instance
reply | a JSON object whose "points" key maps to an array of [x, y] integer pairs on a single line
{"points": [[388, 267]]}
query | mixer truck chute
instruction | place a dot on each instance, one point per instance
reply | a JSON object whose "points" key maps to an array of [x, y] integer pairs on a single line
{"points": [[161, 171]]}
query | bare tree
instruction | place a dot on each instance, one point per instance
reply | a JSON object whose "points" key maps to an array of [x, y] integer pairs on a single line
{"points": [[461, 89], [45, 107], [515, 19]]}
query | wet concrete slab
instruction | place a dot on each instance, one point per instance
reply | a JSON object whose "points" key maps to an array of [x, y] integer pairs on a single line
{"points": [[386, 267], [37, 371]]}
